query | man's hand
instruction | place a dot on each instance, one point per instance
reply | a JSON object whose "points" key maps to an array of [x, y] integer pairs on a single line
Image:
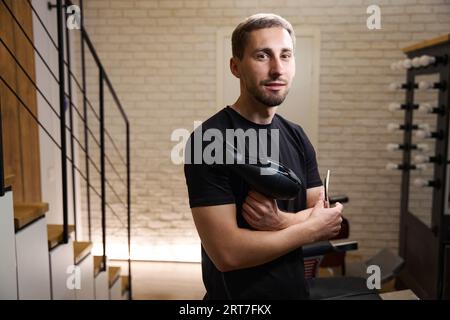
{"points": [[326, 221], [262, 213]]}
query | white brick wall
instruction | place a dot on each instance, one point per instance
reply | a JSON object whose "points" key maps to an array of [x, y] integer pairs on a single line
{"points": [[160, 55]]}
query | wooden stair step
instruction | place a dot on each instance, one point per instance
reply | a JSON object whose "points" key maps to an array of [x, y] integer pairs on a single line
{"points": [[9, 180], [125, 284], [399, 295], [98, 265], [81, 249], [26, 213], [114, 274], [55, 234]]}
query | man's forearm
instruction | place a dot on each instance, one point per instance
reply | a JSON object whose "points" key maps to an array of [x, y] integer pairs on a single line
{"points": [[232, 248], [249, 248], [290, 219]]}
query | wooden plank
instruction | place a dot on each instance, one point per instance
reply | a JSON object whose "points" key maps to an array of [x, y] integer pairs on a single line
{"points": [[427, 43], [9, 180], [114, 274], [55, 234], [81, 249], [9, 103], [29, 131], [26, 213], [399, 295]]}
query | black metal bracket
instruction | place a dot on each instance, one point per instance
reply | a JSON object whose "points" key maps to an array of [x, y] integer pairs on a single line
{"points": [[51, 6]]}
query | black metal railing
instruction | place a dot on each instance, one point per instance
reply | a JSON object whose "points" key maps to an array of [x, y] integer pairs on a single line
{"points": [[65, 80]]}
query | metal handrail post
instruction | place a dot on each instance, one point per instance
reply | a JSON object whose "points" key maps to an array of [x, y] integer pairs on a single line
{"points": [[62, 111]]}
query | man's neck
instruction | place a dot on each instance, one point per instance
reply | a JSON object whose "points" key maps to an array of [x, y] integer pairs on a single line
{"points": [[254, 111]]}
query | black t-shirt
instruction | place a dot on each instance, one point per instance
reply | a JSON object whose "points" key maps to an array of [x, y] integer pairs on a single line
{"points": [[209, 185]]}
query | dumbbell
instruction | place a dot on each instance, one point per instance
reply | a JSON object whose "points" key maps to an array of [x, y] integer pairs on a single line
{"points": [[426, 107], [395, 166], [391, 127], [395, 106], [397, 146], [426, 85], [421, 158], [396, 86], [422, 183], [426, 60], [426, 134]]}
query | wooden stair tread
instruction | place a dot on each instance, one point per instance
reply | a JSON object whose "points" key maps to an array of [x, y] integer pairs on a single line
{"points": [[125, 284], [98, 264], [9, 180], [81, 249], [114, 274], [427, 43], [55, 234], [25, 213]]}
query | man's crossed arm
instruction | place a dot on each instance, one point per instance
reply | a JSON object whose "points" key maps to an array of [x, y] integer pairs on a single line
{"points": [[231, 248]]}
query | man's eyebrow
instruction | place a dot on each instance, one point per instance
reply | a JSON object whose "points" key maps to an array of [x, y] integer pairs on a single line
{"points": [[266, 50], [270, 51]]}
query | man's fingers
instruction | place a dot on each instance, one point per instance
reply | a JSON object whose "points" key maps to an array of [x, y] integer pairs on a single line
{"points": [[322, 195], [247, 216], [339, 206], [256, 205], [250, 219], [319, 204], [250, 211], [257, 196]]}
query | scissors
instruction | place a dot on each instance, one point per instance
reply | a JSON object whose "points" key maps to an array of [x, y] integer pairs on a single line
{"points": [[326, 183]]}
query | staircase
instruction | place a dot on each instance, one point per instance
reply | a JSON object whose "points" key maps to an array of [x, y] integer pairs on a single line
{"points": [[33, 265], [84, 260], [8, 274], [37, 264], [101, 283], [39, 260], [61, 260], [115, 285]]}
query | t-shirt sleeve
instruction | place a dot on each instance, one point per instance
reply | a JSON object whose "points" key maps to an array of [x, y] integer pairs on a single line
{"points": [[312, 171], [207, 185]]}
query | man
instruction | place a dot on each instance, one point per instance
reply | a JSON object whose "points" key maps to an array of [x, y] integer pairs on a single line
{"points": [[251, 245]]}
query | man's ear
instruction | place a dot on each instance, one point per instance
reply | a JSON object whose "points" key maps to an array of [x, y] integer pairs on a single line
{"points": [[234, 67]]}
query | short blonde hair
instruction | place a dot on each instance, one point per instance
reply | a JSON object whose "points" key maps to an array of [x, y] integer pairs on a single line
{"points": [[256, 22]]}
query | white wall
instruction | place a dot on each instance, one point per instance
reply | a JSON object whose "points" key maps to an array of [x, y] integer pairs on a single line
{"points": [[50, 155], [8, 265]]}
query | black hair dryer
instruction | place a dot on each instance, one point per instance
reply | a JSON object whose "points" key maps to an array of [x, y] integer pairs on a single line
{"points": [[271, 178]]}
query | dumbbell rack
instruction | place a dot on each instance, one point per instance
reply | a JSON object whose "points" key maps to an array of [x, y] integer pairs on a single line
{"points": [[426, 248]]}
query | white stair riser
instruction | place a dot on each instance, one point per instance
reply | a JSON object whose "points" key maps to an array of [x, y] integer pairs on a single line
{"points": [[33, 270], [61, 259], [8, 272], [115, 292], [101, 286], [86, 291]]}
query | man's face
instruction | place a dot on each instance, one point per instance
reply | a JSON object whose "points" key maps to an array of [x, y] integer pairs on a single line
{"points": [[268, 66]]}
